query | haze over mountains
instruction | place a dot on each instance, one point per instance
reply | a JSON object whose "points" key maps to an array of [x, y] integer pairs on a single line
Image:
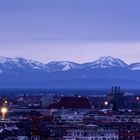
{"points": [[101, 73]]}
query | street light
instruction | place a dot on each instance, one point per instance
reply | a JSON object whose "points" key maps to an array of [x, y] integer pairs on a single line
{"points": [[106, 103], [137, 98], [5, 101], [4, 110]]}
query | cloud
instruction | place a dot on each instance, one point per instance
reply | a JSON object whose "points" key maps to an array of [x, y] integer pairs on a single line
{"points": [[72, 51]]}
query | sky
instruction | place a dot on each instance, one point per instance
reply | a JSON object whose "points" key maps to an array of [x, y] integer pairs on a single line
{"points": [[70, 30]]}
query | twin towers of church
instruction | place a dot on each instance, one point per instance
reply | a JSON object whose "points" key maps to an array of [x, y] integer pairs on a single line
{"points": [[115, 89]]}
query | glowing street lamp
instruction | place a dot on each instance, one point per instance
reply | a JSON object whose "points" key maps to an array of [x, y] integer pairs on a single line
{"points": [[6, 102], [137, 98], [106, 103], [4, 110]]}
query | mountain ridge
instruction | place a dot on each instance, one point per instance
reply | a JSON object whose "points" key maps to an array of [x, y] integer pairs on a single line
{"points": [[103, 72], [54, 66]]}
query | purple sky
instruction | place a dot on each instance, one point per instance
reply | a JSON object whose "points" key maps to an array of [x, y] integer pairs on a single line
{"points": [[74, 30]]}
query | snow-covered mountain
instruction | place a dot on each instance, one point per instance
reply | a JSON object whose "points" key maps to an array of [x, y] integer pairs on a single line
{"points": [[7, 63], [106, 62], [135, 66], [103, 72], [55, 66], [13, 64]]}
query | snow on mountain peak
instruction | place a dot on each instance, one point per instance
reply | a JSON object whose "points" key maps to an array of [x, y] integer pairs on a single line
{"points": [[4, 59], [18, 62], [68, 65], [31, 63], [62, 65], [134, 66], [107, 62], [107, 58]]}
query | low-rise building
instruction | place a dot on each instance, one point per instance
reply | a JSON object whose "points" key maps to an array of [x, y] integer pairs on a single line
{"points": [[91, 132]]}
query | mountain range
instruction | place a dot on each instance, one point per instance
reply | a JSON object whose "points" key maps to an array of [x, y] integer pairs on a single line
{"points": [[101, 73]]}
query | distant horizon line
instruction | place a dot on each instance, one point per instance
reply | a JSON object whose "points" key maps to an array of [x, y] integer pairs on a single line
{"points": [[33, 59]]}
